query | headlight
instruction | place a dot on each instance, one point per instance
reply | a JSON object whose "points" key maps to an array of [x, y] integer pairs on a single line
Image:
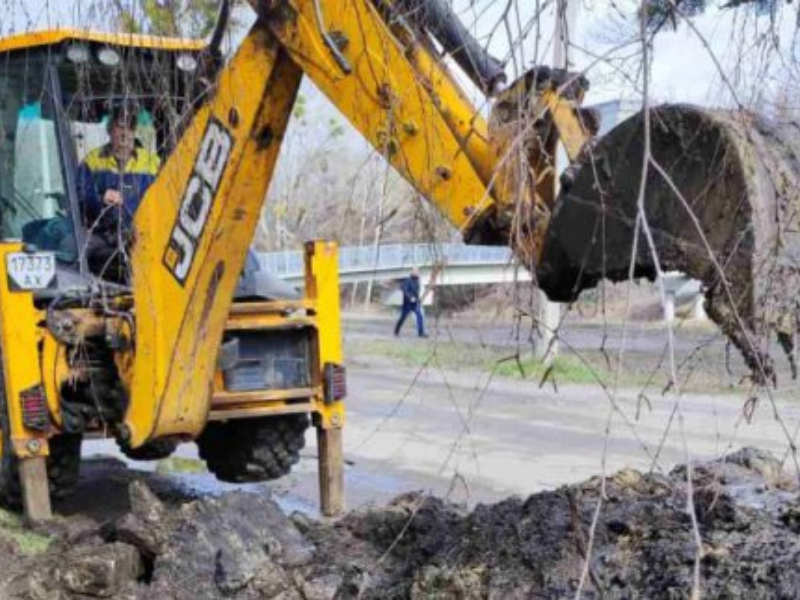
{"points": [[109, 57], [186, 63], [78, 54]]}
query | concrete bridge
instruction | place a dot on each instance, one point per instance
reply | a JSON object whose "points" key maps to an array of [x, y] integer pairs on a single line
{"points": [[455, 264]]}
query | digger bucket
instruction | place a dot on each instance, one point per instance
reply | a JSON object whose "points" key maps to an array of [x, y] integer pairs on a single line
{"points": [[721, 202]]}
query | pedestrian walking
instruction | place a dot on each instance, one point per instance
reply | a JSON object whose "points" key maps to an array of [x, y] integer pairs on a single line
{"points": [[411, 303]]}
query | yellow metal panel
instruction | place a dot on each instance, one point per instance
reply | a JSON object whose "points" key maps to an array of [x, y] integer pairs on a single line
{"points": [[19, 337], [23, 41], [253, 412], [322, 285], [267, 321], [571, 131], [382, 97], [222, 398], [272, 307], [179, 325]]}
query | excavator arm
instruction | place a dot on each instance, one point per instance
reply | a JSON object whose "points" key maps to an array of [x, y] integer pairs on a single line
{"points": [[196, 222], [194, 228], [375, 62], [494, 179]]}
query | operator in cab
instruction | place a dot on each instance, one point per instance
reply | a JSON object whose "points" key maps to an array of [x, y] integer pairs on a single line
{"points": [[112, 180]]}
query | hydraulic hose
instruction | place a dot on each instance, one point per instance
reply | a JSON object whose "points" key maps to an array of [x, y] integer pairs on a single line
{"points": [[438, 18]]}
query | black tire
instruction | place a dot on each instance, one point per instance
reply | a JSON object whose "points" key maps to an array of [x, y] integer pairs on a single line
{"points": [[156, 450], [10, 488], [63, 463], [251, 450], [63, 466]]}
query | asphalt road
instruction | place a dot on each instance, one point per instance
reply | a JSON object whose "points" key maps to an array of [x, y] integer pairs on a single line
{"points": [[472, 439], [482, 440], [636, 337]]}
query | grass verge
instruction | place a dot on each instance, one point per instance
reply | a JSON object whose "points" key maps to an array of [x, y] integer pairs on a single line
{"points": [[28, 543], [500, 362], [177, 464], [646, 373]]}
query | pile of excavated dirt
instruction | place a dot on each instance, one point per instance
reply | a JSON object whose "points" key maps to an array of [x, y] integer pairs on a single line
{"points": [[242, 546]]}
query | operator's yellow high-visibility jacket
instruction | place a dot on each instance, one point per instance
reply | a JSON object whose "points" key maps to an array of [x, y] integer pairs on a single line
{"points": [[101, 171]]}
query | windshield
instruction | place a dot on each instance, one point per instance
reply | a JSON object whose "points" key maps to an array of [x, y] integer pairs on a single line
{"points": [[90, 135], [33, 199], [162, 97], [59, 166]]}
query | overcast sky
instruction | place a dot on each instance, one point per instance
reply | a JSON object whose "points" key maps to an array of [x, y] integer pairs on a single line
{"points": [[684, 68]]}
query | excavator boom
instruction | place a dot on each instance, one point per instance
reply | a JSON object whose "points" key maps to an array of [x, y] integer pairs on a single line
{"points": [[385, 80], [194, 230], [380, 72]]}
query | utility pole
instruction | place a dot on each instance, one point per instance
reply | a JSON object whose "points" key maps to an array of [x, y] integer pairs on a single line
{"points": [[550, 312], [566, 21]]}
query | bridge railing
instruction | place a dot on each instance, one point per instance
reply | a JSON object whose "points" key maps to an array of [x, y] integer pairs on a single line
{"points": [[359, 259]]}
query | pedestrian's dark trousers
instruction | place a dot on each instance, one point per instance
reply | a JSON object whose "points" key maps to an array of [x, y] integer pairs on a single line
{"points": [[405, 311]]}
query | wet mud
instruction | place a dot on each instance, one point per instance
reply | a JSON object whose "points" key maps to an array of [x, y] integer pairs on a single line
{"points": [[643, 544]]}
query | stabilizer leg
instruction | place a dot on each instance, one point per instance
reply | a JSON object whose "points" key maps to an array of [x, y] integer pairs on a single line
{"points": [[35, 489], [331, 471]]}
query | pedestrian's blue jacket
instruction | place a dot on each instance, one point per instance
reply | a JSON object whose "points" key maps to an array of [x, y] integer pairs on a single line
{"points": [[101, 172], [410, 287]]}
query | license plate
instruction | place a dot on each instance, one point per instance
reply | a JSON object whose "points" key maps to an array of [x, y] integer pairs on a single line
{"points": [[30, 271]]}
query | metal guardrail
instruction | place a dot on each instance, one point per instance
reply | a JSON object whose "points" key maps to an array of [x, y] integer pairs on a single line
{"points": [[367, 259]]}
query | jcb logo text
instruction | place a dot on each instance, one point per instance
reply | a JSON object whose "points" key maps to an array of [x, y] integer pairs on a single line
{"points": [[198, 200]]}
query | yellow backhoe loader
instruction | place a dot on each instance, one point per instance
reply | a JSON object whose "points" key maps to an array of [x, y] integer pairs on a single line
{"points": [[189, 340]]}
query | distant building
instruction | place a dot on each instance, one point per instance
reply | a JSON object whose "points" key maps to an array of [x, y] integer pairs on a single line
{"points": [[614, 112]]}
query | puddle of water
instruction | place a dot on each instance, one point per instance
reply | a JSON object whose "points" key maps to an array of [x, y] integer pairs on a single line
{"points": [[205, 484], [178, 464]]}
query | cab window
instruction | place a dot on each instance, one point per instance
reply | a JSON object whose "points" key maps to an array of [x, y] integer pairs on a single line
{"points": [[33, 198]]}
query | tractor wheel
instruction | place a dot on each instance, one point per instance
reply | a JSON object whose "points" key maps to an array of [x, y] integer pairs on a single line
{"points": [[157, 450], [10, 487], [63, 466], [63, 463], [253, 449]]}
